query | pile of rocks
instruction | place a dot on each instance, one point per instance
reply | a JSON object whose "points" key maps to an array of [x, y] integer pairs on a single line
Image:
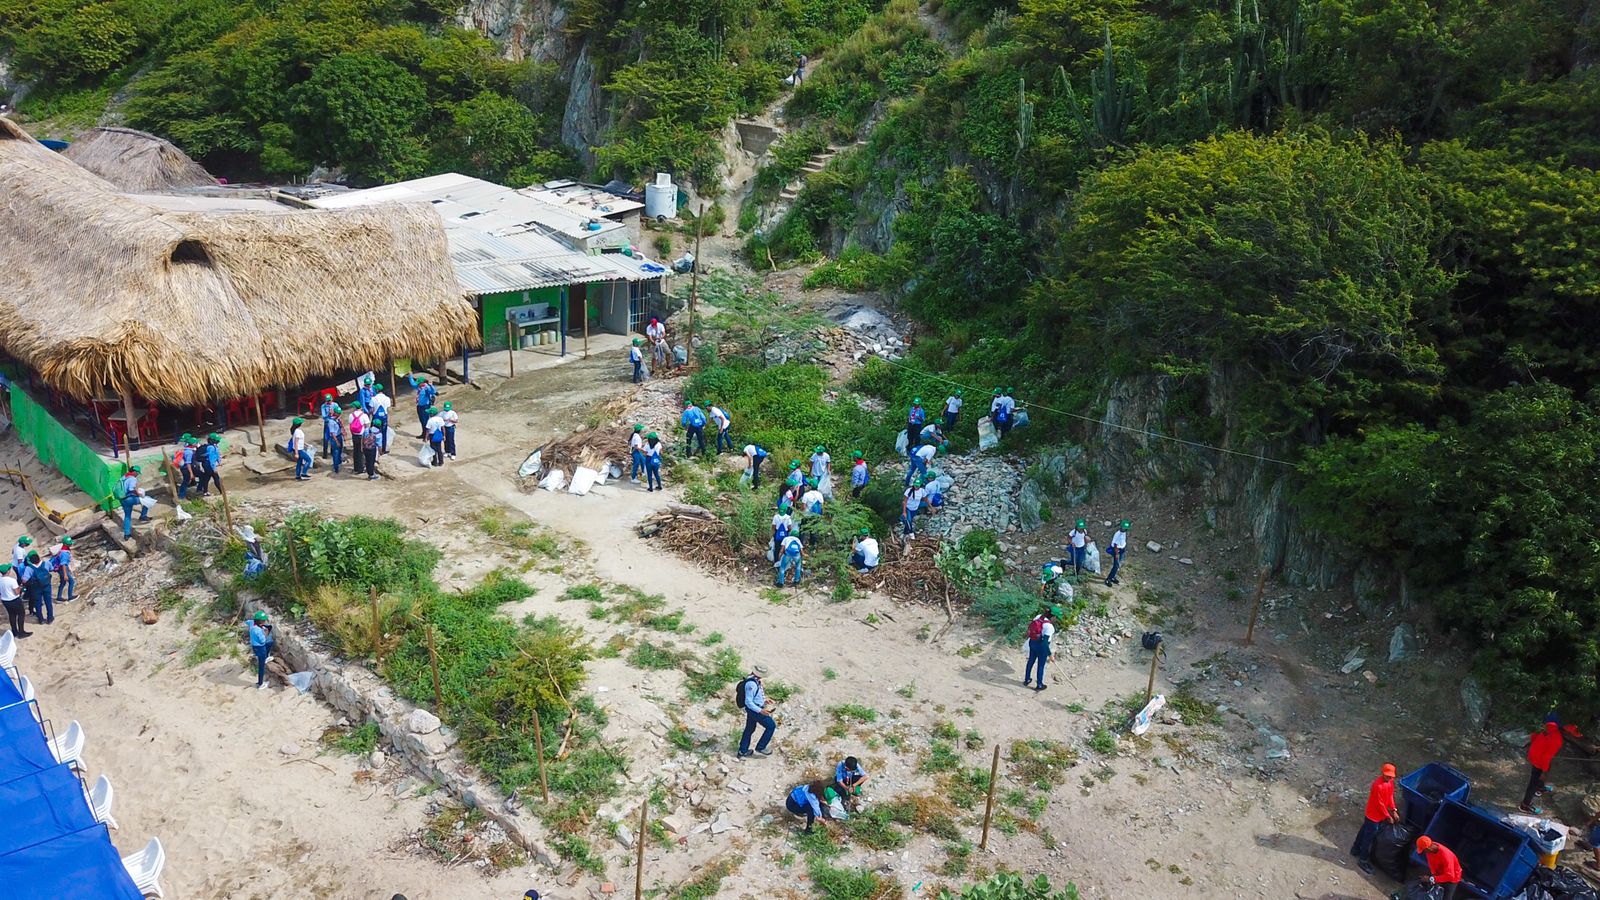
{"points": [[984, 496], [869, 330]]}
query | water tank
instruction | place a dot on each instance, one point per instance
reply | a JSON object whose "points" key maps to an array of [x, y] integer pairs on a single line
{"points": [[661, 198]]}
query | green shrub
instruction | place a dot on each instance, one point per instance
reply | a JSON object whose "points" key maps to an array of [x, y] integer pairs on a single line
{"points": [[355, 553], [1007, 607]]}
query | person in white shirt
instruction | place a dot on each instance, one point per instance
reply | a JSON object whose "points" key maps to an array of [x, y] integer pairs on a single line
{"points": [[782, 524], [822, 470], [636, 450], [636, 356], [952, 410], [11, 596], [919, 462], [301, 452], [1078, 547], [724, 423], [433, 427], [20, 551], [380, 400], [451, 420], [864, 551], [754, 456], [911, 502], [811, 512], [1040, 631], [359, 420], [1118, 549], [655, 331]]}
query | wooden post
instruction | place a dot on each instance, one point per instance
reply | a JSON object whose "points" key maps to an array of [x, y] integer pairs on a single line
{"points": [[377, 632], [511, 346], [294, 562], [261, 424], [127, 430], [638, 868], [172, 480], [438, 696], [1150, 689], [538, 745], [586, 323], [988, 806], [227, 511], [694, 279], [1255, 607]]}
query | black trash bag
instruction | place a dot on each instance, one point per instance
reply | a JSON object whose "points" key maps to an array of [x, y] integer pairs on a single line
{"points": [[1421, 890], [1534, 892], [1391, 849], [1562, 883]]}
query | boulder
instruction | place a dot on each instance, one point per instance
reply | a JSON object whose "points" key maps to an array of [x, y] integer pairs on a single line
{"points": [[1402, 643], [420, 721], [1030, 502], [1475, 702]]}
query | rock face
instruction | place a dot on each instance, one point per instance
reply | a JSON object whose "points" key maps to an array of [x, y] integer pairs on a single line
{"points": [[1475, 702], [582, 118]]}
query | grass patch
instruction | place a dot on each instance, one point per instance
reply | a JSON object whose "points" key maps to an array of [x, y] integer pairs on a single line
{"points": [[942, 757], [497, 523], [654, 656], [210, 642], [1194, 710], [706, 885], [946, 731], [1103, 741], [708, 678], [967, 788], [580, 852], [453, 835], [876, 829], [1042, 763], [587, 592], [836, 883], [358, 741], [854, 712]]}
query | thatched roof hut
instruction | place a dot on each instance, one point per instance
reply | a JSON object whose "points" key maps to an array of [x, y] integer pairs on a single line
{"points": [[107, 292], [136, 161]]}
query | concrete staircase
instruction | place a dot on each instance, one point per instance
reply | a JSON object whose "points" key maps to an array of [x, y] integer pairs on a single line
{"points": [[815, 164]]}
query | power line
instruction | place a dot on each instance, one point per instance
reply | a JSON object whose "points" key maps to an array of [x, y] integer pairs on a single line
{"points": [[1072, 415]]}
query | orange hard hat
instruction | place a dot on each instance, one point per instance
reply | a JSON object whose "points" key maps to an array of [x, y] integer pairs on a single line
{"points": [[1389, 770], [1423, 843]]}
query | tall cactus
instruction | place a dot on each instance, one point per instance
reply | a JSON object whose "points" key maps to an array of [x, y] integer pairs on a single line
{"points": [[1110, 104], [1024, 117]]}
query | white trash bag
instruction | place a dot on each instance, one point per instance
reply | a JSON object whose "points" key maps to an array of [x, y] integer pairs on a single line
{"points": [[425, 457], [583, 478], [1091, 558], [531, 465], [988, 438], [301, 681], [147, 502], [1141, 722], [555, 481], [900, 443]]}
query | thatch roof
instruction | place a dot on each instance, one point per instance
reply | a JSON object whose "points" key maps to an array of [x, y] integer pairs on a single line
{"points": [[105, 293], [136, 161]]}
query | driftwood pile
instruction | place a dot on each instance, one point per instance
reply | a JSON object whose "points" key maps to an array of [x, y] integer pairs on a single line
{"points": [[588, 447], [907, 573], [696, 534]]}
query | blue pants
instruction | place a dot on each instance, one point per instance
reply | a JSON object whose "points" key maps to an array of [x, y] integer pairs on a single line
{"points": [[302, 464], [1038, 652], [262, 652], [1116, 563], [638, 371], [638, 465], [336, 450], [67, 585], [652, 474], [43, 608], [950, 420], [755, 472], [450, 440], [695, 433], [128, 503], [327, 433], [188, 479], [724, 439], [909, 521], [919, 466], [751, 720], [1079, 556], [1362, 848], [786, 564], [913, 437]]}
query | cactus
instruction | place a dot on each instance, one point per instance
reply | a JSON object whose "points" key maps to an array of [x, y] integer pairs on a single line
{"points": [[1024, 117], [1110, 110]]}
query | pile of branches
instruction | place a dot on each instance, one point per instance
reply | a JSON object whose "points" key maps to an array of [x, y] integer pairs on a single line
{"points": [[696, 534], [588, 447], [907, 572]]}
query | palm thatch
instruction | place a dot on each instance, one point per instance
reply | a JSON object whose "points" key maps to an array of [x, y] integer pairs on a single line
{"points": [[106, 293], [136, 161]]}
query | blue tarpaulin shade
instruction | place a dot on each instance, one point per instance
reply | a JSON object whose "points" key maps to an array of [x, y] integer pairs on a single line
{"points": [[9, 692], [42, 807], [82, 865], [22, 745]]}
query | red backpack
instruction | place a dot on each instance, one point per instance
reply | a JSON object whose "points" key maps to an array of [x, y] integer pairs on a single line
{"points": [[1036, 628]]}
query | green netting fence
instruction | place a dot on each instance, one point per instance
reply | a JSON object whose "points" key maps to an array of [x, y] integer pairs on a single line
{"points": [[59, 447]]}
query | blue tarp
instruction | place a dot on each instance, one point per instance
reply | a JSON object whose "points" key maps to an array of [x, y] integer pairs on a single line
{"points": [[22, 745], [9, 692], [82, 865], [42, 807]]}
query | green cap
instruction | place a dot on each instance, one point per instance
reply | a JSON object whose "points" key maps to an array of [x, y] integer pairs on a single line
{"points": [[261, 615], [5, 567], [637, 342], [997, 392], [857, 454], [958, 392], [298, 421], [865, 531], [794, 463], [25, 540], [66, 541], [350, 406], [811, 481], [1055, 611], [651, 435], [784, 507], [187, 437], [829, 794], [820, 449], [916, 401], [377, 387], [135, 469], [33, 556], [432, 410], [213, 436], [367, 380], [1008, 390], [944, 445], [638, 427], [447, 404], [422, 378], [1124, 524], [1080, 523]]}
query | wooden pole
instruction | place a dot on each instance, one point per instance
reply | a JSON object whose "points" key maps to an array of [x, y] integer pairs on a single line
{"points": [[438, 696], [538, 745], [172, 480], [227, 511], [1255, 607], [377, 633], [638, 867], [294, 562], [511, 356], [988, 806], [586, 323], [694, 278], [261, 424], [1150, 689], [128, 426]]}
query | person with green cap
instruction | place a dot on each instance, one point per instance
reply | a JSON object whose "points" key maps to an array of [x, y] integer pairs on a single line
{"points": [[754, 456], [364, 394], [359, 423], [1005, 413], [782, 524], [36, 589], [1118, 549], [652, 463], [333, 437], [261, 644], [20, 551], [724, 424], [66, 582], [910, 502], [636, 449], [380, 418], [636, 356], [1078, 547], [811, 513], [1040, 631], [451, 419], [694, 425], [811, 802], [822, 470], [210, 459], [186, 464], [433, 428], [299, 449], [11, 597], [426, 394], [328, 410], [128, 494], [952, 410], [914, 420], [864, 551], [859, 476], [920, 457], [796, 476]]}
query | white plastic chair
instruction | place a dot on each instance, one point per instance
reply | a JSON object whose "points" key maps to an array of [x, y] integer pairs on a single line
{"points": [[145, 866], [26, 687], [100, 801], [8, 649], [68, 748]]}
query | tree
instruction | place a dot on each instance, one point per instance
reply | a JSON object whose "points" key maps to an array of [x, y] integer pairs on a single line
{"points": [[489, 136], [83, 43], [363, 112]]}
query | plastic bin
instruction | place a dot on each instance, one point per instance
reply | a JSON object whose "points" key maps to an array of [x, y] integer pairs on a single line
{"points": [[1496, 859], [1427, 787]]}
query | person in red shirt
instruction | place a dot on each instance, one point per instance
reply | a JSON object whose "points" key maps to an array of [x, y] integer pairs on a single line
{"points": [[1380, 809], [1444, 869], [1542, 750]]}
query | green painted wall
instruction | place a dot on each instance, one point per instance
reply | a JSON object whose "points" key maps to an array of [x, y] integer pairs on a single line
{"points": [[494, 308]]}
